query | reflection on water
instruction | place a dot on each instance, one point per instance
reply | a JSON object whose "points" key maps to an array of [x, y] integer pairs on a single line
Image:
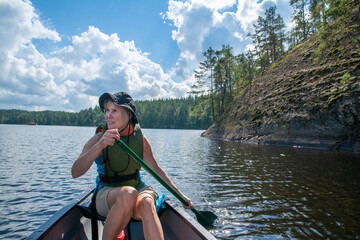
{"points": [[268, 192], [258, 192]]}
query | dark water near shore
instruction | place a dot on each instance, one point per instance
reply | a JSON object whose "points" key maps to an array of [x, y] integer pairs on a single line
{"points": [[258, 192]]}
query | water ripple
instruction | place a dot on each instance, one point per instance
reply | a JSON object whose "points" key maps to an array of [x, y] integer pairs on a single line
{"points": [[258, 192]]}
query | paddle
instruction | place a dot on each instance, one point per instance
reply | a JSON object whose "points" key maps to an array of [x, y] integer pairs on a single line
{"points": [[205, 218]]}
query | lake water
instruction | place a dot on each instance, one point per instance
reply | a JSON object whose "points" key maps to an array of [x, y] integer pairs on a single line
{"points": [[258, 192]]}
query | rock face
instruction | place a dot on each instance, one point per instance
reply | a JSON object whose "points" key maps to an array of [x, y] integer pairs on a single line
{"points": [[311, 98]]}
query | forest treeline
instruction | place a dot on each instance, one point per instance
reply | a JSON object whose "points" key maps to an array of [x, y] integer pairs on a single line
{"points": [[222, 75], [168, 113]]}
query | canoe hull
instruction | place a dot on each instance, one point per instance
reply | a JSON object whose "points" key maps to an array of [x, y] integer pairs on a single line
{"points": [[70, 223]]}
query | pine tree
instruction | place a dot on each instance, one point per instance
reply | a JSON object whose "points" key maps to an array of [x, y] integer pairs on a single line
{"points": [[301, 19], [269, 38]]}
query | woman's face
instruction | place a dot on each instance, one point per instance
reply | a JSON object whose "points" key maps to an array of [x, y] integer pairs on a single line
{"points": [[116, 117]]}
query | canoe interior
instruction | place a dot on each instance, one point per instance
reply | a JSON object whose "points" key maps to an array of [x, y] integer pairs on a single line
{"points": [[70, 223]]}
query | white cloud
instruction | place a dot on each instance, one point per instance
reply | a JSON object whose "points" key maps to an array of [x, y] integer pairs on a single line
{"points": [[73, 77], [215, 4], [249, 11], [20, 24], [201, 24]]}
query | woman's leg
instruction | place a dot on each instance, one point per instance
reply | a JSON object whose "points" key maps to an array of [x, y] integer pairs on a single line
{"points": [[146, 212], [121, 204]]}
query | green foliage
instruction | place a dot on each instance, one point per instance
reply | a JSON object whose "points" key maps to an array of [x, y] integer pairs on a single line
{"points": [[171, 113], [346, 78], [338, 14], [269, 38], [223, 76], [201, 107], [87, 117], [301, 29], [319, 52]]}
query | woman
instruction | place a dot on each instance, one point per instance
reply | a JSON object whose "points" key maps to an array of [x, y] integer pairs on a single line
{"points": [[121, 193]]}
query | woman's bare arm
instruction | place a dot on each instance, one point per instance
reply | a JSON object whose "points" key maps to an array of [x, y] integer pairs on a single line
{"points": [[92, 150]]}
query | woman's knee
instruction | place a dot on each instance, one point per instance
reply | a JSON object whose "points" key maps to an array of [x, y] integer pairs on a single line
{"points": [[130, 191], [126, 196], [145, 207], [146, 202]]}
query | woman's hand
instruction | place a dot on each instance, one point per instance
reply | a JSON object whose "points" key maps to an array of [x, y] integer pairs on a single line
{"points": [[109, 137], [190, 204]]}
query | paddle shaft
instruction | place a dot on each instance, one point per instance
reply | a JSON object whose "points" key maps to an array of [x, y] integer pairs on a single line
{"points": [[152, 172]]}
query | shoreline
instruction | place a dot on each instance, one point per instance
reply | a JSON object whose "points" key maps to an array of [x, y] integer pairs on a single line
{"points": [[282, 140]]}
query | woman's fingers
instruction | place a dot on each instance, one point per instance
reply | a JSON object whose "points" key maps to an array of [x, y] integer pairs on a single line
{"points": [[109, 137]]}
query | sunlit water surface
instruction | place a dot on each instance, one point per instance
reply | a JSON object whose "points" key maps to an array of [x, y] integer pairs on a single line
{"points": [[258, 192]]}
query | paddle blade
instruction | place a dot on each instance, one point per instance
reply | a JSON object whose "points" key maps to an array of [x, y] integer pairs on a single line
{"points": [[205, 218]]}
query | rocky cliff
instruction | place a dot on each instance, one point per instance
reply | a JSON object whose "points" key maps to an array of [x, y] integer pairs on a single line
{"points": [[311, 98]]}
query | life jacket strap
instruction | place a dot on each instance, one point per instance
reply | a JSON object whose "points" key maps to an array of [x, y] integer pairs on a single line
{"points": [[119, 179]]}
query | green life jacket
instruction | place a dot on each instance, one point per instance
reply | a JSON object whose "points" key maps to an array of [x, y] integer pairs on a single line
{"points": [[120, 168]]}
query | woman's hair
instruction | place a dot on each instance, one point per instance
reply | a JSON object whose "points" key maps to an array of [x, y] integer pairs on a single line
{"points": [[127, 110], [106, 102]]}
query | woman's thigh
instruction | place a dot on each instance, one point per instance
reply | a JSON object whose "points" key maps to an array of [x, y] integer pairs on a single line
{"points": [[102, 206]]}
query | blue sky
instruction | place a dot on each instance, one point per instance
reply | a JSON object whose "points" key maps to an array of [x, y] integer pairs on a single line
{"points": [[63, 54], [136, 20]]}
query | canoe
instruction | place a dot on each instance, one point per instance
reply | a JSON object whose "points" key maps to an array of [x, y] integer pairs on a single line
{"points": [[73, 222]]}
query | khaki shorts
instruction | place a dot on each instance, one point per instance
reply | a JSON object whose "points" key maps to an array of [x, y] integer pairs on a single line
{"points": [[102, 206]]}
